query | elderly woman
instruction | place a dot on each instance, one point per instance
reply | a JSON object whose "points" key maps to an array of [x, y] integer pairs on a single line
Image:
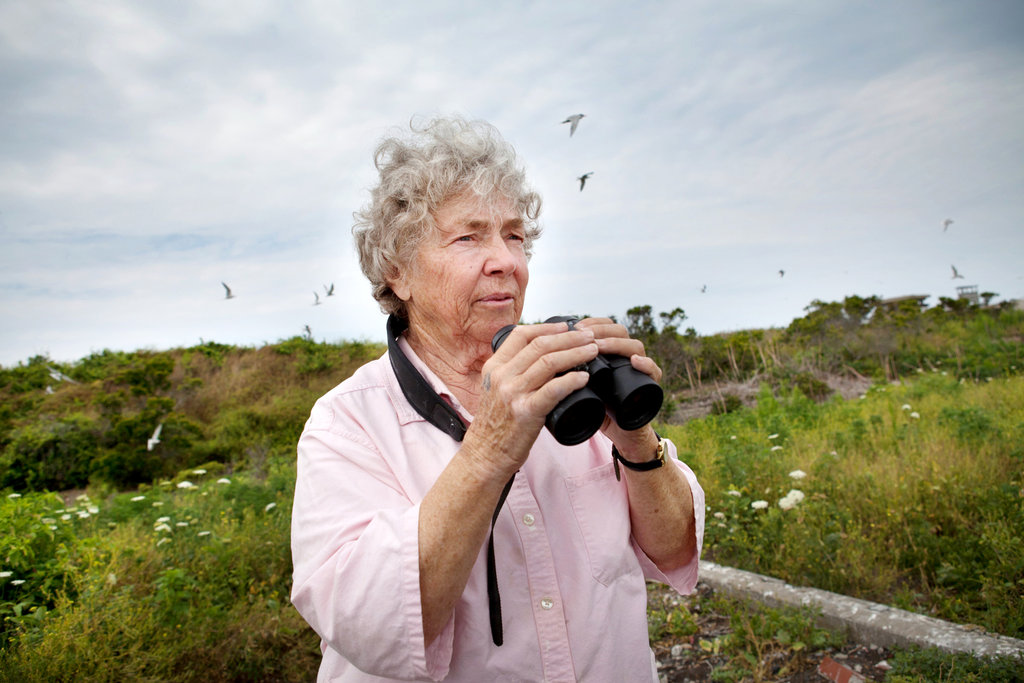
{"points": [[439, 531]]}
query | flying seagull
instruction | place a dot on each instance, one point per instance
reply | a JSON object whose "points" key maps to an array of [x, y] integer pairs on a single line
{"points": [[309, 332], [946, 223], [583, 179], [956, 273], [574, 121], [316, 301], [781, 272], [704, 289], [227, 292], [58, 375], [329, 290], [155, 439]]}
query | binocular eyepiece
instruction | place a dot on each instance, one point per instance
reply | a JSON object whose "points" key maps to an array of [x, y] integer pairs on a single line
{"points": [[632, 398]]}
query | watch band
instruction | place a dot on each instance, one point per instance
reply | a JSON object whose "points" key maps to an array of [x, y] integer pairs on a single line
{"points": [[658, 461]]}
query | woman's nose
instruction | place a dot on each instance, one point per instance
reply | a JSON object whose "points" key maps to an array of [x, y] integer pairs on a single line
{"points": [[500, 256]]}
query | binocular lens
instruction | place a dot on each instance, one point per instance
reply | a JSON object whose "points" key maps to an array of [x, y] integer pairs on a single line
{"points": [[577, 418], [639, 406]]}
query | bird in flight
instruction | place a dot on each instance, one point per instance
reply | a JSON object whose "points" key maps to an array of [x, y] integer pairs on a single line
{"points": [[316, 299], [155, 439], [574, 121], [781, 272], [946, 223], [329, 290], [956, 273], [227, 292], [58, 375], [309, 332], [703, 289], [583, 179]]}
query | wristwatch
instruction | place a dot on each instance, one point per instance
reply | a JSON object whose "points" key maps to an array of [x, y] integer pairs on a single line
{"points": [[658, 461]]}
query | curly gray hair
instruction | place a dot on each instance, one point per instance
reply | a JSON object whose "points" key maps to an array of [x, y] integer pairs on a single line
{"points": [[444, 158]]}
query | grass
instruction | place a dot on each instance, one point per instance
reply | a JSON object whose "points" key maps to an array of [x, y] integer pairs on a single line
{"points": [[184, 581], [913, 495]]}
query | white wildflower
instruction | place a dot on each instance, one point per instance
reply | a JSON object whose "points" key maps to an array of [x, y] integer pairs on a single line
{"points": [[203, 533], [93, 510], [158, 503], [12, 496], [17, 582], [82, 497], [733, 492], [161, 520], [776, 448], [66, 516], [83, 514], [186, 485], [6, 575], [165, 539], [916, 415], [199, 472], [797, 474], [270, 506], [773, 436], [136, 499], [719, 515], [111, 579], [905, 406], [223, 480], [791, 499], [161, 527], [759, 504], [48, 520], [182, 524], [733, 437]]}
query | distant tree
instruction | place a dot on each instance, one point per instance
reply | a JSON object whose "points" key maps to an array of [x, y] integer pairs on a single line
{"points": [[640, 323]]}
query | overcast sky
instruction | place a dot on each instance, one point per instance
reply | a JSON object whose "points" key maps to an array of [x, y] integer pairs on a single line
{"points": [[151, 150]]}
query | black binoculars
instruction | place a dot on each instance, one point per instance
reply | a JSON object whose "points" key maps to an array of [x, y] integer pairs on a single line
{"points": [[632, 398]]}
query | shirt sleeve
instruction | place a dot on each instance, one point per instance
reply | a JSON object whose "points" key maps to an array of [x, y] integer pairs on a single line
{"points": [[356, 556], [683, 579]]}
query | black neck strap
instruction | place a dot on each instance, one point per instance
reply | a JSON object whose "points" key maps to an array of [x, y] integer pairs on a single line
{"points": [[417, 390], [439, 413]]}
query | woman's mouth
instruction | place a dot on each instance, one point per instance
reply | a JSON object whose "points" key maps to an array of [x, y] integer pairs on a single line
{"points": [[496, 298]]}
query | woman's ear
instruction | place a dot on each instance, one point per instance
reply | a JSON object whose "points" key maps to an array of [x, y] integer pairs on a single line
{"points": [[399, 284]]}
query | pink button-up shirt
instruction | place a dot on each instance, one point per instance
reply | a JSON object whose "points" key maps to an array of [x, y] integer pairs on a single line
{"points": [[570, 576]]}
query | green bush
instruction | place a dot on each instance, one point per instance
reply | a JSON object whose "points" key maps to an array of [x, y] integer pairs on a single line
{"points": [[50, 455]]}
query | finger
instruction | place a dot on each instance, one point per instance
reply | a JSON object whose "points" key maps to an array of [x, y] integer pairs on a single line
{"points": [[554, 391], [525, 345], [521, 335], [621, 346], [531, 368], [646, 365]]}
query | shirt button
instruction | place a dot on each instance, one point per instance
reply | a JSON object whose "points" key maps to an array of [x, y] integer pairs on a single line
{"points": [[547, 603], [528, 519]]}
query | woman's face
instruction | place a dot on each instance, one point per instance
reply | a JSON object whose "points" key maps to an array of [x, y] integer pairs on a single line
{"points": [[470, 274]]}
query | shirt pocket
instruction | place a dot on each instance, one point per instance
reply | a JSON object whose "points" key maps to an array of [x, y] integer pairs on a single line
{"points": [[601, 509]]}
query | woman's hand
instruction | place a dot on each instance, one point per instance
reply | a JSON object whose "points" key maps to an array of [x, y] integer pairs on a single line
{"points": [[529, 374], [613, 339]]}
